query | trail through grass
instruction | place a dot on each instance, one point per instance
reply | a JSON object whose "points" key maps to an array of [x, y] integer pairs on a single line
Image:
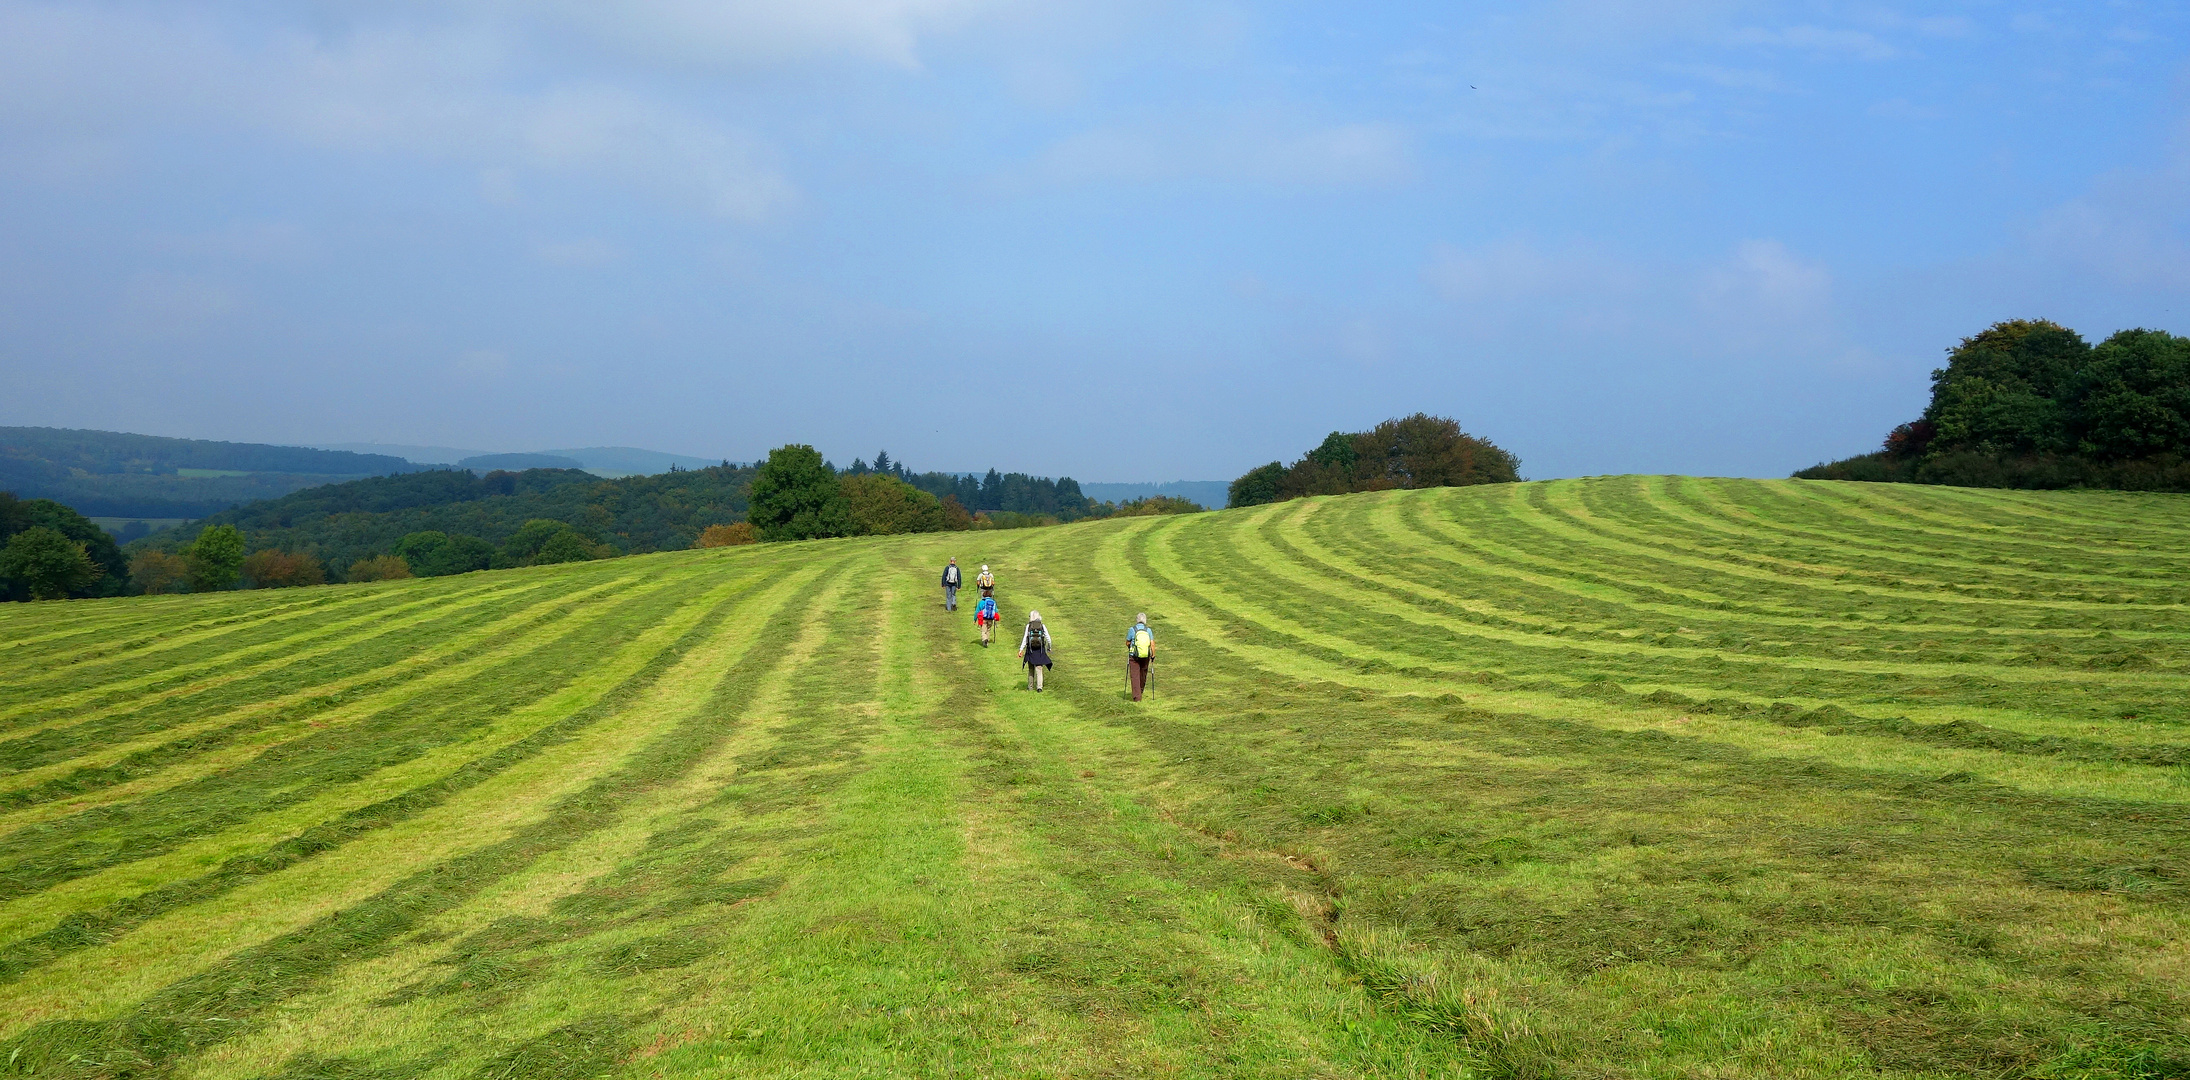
{"points": [[1635, 776]]}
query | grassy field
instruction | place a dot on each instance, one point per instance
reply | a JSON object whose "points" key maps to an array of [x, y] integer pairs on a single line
{"points": [[1636, 776]]}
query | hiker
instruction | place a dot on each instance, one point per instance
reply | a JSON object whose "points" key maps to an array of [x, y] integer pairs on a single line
{"points": [[950, 586], [986, 581], [985, 617], [1140, 654], [1034, 650]]}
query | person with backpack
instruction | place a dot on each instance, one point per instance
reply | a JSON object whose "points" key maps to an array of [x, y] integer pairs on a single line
{"points": [[1140, 655], [985, 581], [985, 617], [1034, 650], [950, 586]]}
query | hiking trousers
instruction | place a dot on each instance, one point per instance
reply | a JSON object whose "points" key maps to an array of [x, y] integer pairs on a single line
{"points": [[950, 597], [1136, 674]]}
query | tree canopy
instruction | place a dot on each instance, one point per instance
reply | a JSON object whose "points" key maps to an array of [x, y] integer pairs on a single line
{"points": [[795, 496], [46, 564], [2027, 403], [19, 515], [1405, 452]]}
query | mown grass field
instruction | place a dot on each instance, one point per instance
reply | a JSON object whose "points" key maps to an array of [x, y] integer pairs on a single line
{"points": [[1636, 776]]}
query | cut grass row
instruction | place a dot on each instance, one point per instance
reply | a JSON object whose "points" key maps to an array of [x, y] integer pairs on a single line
{"points": [[1632, 776]]}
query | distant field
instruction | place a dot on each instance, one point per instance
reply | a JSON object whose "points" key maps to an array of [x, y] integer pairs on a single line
{"points": [[117, 524], [1637, 776]]}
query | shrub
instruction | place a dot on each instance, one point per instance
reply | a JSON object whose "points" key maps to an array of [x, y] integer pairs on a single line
{"points": [[276, 569], [1156, 504], [883, 505], [156, 572], [433, 553], [544, 540], [1257, 486], [735, 534], [568, 546], [379, 568]]}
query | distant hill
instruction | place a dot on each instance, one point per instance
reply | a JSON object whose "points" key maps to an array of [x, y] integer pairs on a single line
{"points": [[120, 475], [342, 523], [630, 460], [610, 461], [486, 463], [420, 455], [1204, 493]]}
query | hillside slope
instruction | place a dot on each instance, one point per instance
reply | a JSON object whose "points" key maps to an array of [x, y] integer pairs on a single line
{"points": [[115, 474], [341, 523], [1626, 776]]}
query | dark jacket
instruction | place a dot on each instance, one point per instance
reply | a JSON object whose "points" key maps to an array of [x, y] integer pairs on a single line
{"points": [[950, 576]]}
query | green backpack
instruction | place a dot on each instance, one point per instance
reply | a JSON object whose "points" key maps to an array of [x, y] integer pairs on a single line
{"points": [[1144, 643]]}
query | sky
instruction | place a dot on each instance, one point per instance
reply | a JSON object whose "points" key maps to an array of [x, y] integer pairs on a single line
{"points": [[1119, 240]]}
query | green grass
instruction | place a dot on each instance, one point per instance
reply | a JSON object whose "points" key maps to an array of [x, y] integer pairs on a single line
{"points": [[1635, 776]]}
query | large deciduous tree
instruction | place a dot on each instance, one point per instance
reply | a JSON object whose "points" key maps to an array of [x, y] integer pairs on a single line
{"points": [[2008, 389], [795, 496], [215, 558], [17, 515], [2135, 396], [46, 564]]}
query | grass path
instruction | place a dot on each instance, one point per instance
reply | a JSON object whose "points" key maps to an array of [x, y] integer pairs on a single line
{"points": [[1634, 776]]}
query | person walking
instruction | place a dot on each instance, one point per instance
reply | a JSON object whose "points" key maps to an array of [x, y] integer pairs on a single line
{"points": [[1140, 655], [1034, 647], [950, 586], [985, 581], [985, 617]]}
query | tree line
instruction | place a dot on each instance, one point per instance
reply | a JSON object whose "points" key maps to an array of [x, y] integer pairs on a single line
{"points": [[1405, 452], [2028, 403], [799, 495], [439, 522]]}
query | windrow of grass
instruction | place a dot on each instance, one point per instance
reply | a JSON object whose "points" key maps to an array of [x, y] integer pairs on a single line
{"points": [[1632, 776]]}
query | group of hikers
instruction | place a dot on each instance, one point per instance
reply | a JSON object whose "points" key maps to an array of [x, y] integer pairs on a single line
{"points": [[1036, 640]]}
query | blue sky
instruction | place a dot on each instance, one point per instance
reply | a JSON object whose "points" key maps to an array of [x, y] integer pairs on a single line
{"points": [[1117, 240]]}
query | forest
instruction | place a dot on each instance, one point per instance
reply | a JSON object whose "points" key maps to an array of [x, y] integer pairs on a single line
{"points": [[113, 474]]}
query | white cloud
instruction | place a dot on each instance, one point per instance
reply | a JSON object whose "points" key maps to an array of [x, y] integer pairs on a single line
{"points": [[1765, 282], [447, 94]]}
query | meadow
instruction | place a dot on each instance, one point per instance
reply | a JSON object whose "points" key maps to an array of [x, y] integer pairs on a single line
{"points": [[1628, 776]]}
